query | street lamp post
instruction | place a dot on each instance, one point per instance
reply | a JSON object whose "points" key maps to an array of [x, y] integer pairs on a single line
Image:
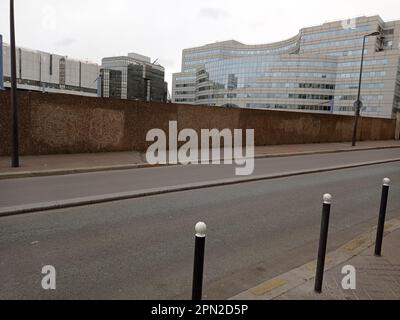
{"points": [[14, 109], [358, 103]]}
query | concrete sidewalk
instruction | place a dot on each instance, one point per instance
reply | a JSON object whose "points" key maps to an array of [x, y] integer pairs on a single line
{"points": [[47, 165], [377, 278]]}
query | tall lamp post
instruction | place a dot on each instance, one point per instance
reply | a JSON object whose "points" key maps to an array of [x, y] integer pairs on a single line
{"points": [[358, 103], [14, 110]]}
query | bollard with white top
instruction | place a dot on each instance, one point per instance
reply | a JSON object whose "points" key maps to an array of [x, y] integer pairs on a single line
{"points": [[382, 217], [323, 239], [200, 240]]}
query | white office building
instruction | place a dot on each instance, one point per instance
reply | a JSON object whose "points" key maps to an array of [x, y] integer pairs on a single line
{"points": [[46, 72]]}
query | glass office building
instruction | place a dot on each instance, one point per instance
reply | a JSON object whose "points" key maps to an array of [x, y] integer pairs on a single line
{"points": [[133, 77], [110, 83], [316, 70]]}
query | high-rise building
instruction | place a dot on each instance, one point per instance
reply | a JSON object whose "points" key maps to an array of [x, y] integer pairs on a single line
{"points": [[46, 72], [317, 70], [133, 77]]}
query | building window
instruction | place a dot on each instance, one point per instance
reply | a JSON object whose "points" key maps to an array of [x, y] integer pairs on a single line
{"points": [[62, 72], [51, 65]]}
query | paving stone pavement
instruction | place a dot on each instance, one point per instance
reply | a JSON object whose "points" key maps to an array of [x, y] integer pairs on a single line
{"points": [[377, 278], [53, 164]]}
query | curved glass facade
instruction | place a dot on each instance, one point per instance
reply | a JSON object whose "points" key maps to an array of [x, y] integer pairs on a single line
{"points": [[317, 70]]}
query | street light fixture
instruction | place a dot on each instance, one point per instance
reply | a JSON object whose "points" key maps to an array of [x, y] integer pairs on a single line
{"points": [[14, 110], [358, 103]]}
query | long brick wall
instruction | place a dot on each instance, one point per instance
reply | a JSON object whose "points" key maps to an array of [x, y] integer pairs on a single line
{"points": [[58, 123]]}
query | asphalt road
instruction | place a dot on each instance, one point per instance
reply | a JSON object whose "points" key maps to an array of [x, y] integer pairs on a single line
{"points": [[143, 248], [15, 192]]}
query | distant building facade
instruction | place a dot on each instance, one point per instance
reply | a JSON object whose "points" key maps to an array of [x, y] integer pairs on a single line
{"points": [[110, 83], [1, 64], [133, 77], [46, 72], [316, 70]]}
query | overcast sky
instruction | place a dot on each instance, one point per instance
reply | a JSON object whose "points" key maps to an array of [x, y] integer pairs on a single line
{"points": [[92, 29]]}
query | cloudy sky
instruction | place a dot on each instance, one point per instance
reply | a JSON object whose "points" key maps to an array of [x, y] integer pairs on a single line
{"points": [[92, 29]]}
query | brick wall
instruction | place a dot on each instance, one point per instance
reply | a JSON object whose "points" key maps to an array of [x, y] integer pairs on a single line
{"points": [[59, 123]]}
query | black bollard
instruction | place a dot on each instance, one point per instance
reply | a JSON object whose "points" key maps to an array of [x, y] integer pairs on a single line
{"points": [[323, 239], [198, 266], [382, 216]]}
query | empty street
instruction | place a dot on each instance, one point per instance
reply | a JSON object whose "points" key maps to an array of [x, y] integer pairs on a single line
{"points": [[143, 248]]}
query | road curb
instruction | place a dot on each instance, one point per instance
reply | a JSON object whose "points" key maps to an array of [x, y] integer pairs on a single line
{"points": [[61, 172], [75, 202], [281, 284], [56, 172], [305, 153]]}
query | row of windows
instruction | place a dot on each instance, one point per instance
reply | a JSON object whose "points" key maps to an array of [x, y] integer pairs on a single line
{"points": [[365, 63], [332, 44], [346, 108], [364, 86], [388, 32], [202, 61], [300, 75], [206, 88], [185, 78], [280, 85], [237, 52], [255, 84], [44, 85], [351, 109], [364, 98], [372, 74], [324, 86], [193, 70], [305, 107], [340, 32], [184, 85], [288, 106], [290, 96], [288, 85], [347, 53], [184, 100], [317, 86], [268, 96], [185, 92], [245, 64], [310, 96]]}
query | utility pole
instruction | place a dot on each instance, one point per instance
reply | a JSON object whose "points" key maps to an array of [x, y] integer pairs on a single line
{"points": [[358, 103], [14, 109]]}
